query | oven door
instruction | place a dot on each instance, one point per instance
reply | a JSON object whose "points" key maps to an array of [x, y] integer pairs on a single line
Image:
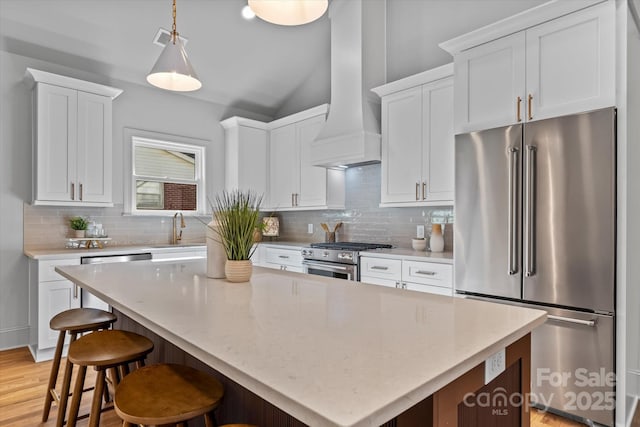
{"points": [[338, 271]]}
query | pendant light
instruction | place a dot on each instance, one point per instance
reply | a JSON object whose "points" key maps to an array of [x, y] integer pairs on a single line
{"points": [[172, 70], [289, 12]]}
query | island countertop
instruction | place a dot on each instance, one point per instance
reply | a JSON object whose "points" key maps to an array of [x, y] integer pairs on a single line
{"points": [[326, 351]]}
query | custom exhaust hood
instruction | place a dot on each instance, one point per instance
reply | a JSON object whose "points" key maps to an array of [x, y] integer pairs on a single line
{"points": [[351, 135]]}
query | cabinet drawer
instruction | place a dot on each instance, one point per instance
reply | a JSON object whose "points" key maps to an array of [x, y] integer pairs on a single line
{"points": [[428, 273], [368, 280], [390, 269], [46, 269], [291, 257], [438, 290], [179, 256]]}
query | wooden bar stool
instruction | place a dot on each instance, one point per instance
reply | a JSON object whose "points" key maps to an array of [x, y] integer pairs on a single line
{"points": [[167, 394], [111, 350], [74, 321]]}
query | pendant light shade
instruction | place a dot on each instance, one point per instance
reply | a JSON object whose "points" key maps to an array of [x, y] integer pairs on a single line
{"points": [[173, 70], [289, 12]]}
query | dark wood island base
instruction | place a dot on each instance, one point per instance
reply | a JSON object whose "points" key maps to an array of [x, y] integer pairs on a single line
{"points": [[465, 402]]}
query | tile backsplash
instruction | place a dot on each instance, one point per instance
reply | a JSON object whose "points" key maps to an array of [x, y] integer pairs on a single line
{"points": [[363, 220], [47, 227]]}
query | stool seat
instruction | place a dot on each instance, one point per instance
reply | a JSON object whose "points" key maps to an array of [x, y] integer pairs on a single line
{"points": [[81, 320], [166, 394], [108, 348]]}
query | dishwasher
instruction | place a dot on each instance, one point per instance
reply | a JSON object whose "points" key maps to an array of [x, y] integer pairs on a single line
{"points": [[91, 301]]}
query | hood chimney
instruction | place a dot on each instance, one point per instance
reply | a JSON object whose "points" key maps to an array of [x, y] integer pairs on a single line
{"points": [[351, 135]]}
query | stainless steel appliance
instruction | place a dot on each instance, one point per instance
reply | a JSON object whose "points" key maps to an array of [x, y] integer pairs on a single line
{"points": [[92, 301], [336, 259], [535, 225]]}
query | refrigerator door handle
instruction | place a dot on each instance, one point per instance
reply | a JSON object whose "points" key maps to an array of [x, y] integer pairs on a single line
{"points": [[530, 213], [590, 323], [512, 225]]}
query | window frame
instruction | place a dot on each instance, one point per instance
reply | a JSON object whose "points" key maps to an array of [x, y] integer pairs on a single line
{"points": [[133, 138]]}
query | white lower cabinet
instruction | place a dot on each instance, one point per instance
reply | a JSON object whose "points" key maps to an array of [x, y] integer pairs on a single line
{"points": [[282, 259], [52, 294], [181, 255], [413, 275]]}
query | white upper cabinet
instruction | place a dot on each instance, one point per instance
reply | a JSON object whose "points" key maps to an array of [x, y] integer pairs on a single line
{"points": [[246, 156], [418, 140], [551, 67], [294, 182], [72, 141]]}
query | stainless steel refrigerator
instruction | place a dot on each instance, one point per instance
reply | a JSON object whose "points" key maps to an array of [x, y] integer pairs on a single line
{"points": [[535, 225]]}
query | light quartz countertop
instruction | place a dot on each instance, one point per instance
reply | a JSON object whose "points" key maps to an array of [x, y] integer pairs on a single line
{"points": [[63, 253], [410, 254], [326, 351]]}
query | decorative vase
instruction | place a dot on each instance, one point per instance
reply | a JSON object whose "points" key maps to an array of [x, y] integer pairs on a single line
{"points": [[79, 234], [216, 257], [418, 244], [238, 271], [436, 243]]}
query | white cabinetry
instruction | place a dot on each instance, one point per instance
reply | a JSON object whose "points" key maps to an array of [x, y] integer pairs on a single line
{"points": [[294, 182], [417, 139], [282, 258], [414, 275], [246, 155], [182, 254], [72, 146], [51, 294], [562, 66]]}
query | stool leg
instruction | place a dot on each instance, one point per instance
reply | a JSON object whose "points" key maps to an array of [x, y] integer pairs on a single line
{"points": [[53, 376], [210, 419], [77, 396], [66, 386], [96, 405]]}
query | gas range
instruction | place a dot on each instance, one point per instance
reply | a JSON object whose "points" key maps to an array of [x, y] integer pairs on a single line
{"points": [[336, 259]]}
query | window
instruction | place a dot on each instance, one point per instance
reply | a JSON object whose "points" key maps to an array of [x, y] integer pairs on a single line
{"points": [[165, 175]]}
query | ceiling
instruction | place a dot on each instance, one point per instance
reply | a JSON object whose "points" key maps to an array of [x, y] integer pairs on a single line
{"points": [[248, 64]]}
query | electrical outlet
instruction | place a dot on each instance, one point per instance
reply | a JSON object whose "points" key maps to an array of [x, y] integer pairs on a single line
{"points": [[494, 366], [420, 232], [310, 228]]}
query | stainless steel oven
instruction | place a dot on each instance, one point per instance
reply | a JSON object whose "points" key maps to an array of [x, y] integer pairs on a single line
{"points": [[336, 259]]}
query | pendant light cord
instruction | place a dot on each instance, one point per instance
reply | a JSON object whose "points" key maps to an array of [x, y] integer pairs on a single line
{"points": [[174, 33]]}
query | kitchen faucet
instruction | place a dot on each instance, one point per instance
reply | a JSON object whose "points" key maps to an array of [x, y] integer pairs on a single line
{"points": [[177, 236]]}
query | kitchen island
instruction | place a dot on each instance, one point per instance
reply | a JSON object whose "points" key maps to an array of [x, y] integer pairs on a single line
{"points": [[325, 351]]}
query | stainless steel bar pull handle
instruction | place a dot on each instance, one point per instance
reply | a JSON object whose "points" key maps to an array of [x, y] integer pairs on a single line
{"points": [[417, 190], [512, 267], [73, 191], [75, 291], [572, 320], [426, 273], [379, 267], [283, 256], [518, 109], [530, 99], [530, 212], [424, 190], [80, 191]]}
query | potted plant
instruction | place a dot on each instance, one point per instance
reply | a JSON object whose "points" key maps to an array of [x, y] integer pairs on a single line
{"points": [[237, 215], [79, 226]]}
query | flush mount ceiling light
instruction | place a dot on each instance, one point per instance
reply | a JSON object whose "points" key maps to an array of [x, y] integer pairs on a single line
{"points": [[289, 12], [172, 70]]}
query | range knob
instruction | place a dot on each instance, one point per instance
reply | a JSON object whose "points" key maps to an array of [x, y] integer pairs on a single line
{"points": [[326, 254], [346, 255], [307, 252]]}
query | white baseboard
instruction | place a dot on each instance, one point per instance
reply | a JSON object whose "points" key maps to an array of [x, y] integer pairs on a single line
{"points": [[14, 338]]}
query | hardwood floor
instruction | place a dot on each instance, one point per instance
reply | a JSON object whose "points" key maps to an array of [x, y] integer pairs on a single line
{"points": [[23, 384]]}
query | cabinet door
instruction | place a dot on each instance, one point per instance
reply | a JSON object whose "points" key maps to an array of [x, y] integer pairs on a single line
{"points": [[313, 179], [95, 153], [428, 289], [56, 143], [437, 152], [402, 146], [53, 298], [252, 160], [285, 166], [489, 79], [571, 63]]}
